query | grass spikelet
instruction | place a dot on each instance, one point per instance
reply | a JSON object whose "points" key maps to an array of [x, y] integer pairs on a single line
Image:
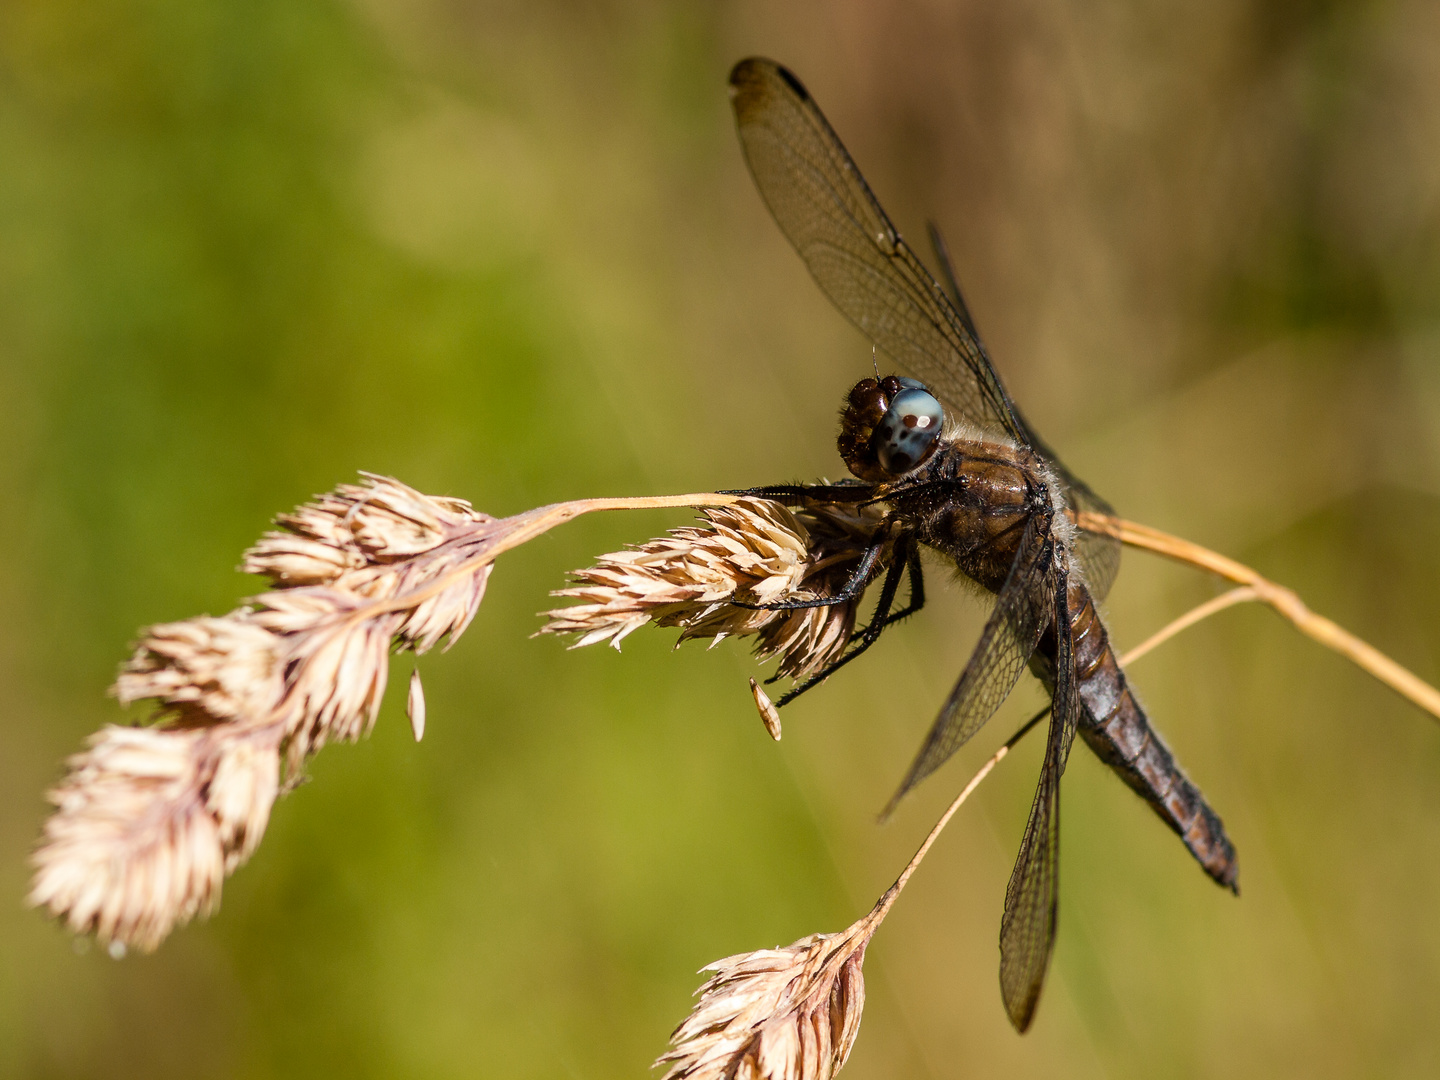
{"points": [[149, 820], [769, 714], [415, 705], [206, 669], [755, 552], [780, 1014], [148, 823]]}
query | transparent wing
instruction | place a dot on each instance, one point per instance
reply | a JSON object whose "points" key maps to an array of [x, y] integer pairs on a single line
{"points": [[1027, 930], [855, 254], [1097, 554], [1022, 612]]}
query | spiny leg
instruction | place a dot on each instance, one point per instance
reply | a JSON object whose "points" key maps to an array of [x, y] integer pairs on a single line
{"points": [[872, 632], [798, 494], [917, 592], [854, 586]]}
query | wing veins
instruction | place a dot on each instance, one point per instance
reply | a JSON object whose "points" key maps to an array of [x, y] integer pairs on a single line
{"points": [[1009, 638], [815, 192], [1027, 929]]}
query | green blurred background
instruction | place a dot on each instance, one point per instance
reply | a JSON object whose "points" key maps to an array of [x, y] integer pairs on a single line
{"points": [[510, 253]]}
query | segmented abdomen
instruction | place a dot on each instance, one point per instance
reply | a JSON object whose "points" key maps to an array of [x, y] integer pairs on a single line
{"points": [[1115, 726]]}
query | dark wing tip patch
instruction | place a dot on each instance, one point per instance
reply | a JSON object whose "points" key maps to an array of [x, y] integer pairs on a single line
{"points": [[754, 77], [792, 82], [749, 73], [743, 71]]}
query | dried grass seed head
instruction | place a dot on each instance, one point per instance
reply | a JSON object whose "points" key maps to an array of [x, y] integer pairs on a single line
{"points": [[148, 822], [354, 526], [778, 1014], [207, 669], [754, 551]]}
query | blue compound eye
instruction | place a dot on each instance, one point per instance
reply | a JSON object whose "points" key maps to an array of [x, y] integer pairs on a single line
{"points": [[907, 434]]}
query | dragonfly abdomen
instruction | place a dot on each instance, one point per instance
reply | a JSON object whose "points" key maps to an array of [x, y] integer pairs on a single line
{"points": [[1115, 727]]}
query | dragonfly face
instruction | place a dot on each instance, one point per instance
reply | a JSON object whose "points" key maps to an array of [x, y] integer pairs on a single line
{"points": [[994, 500], [888, 427]]}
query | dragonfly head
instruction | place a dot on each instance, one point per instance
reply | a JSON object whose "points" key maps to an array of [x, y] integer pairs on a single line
{"points": [[888, 427]]}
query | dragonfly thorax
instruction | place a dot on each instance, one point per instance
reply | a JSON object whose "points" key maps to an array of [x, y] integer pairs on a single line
{"points": [[972, 501]]}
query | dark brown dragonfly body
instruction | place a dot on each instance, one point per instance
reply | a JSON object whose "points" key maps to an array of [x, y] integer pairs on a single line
{"points": [[959, 471], [973, 503], [1115, 727]]}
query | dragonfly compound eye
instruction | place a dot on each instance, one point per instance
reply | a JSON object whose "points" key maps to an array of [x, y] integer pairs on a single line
{"points": [[908, 433]]}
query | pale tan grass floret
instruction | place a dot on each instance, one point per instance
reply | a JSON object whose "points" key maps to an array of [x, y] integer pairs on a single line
{"points": [[415, 705], [769, 714], [790, 1013], [149, 820], [754, 551]]}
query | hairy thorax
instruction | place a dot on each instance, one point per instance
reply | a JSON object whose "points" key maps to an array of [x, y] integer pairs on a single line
{"points": [[972, 500]]}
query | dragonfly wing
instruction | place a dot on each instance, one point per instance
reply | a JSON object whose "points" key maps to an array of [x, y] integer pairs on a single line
{"points": [[1022, 612], [1097, 553], [858, 258], [1027, 930]]}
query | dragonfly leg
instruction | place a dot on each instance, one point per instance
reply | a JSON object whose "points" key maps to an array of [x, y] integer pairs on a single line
{"points": [[799, 494], [871, 634], [859, 578], [917, 591]]}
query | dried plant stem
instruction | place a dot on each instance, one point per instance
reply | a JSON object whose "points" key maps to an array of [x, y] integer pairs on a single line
{"points": [[1283, 600], [882, 907], [1240, 595]]}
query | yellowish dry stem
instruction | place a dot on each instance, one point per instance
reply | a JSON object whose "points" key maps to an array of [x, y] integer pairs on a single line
{"points": [[1283, 600]]}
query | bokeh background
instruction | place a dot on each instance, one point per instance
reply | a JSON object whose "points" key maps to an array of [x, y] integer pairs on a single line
{"points": [[509, 252]]}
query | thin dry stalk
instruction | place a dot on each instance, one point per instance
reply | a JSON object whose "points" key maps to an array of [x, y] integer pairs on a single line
{"points": [[1241, 595], [149, 820], [1283, 600]]}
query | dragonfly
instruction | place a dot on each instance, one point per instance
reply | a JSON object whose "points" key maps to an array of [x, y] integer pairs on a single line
{"points": [[943, 449]]}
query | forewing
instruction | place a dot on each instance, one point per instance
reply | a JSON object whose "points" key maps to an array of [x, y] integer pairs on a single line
{"points": [[1027, 930], [1097, 553], [1022, 611], [855, 254]]}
